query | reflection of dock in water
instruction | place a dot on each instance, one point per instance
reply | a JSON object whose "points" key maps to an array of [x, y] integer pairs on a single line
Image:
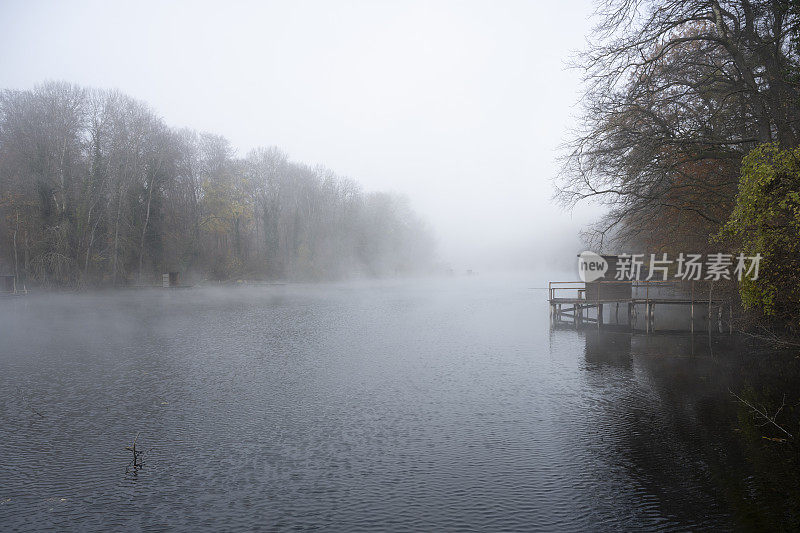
{"points": [[626, 303]]}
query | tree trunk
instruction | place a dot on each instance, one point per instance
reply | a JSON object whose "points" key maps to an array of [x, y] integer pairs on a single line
{"points": [[89, 248], [144, 231], [116, 242], [16, 260]]}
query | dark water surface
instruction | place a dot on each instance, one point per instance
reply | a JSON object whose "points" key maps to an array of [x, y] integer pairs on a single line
{"points": [[427, 406]]}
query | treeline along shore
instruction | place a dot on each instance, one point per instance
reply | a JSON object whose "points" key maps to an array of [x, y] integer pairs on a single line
{"points": [[96, 190], [690, 137]]}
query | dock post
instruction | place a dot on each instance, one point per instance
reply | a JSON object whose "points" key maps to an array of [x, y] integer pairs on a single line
{"points": [[710, 291], [647, 316], [599, 315], [691, 311], [652, 317]]}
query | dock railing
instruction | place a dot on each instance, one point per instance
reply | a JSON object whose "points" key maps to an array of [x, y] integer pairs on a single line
{"points": [[678, 292], [681, 289]]}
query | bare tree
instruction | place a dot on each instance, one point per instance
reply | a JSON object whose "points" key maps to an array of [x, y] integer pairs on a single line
{"points": [[677, 93], [94, 186]]}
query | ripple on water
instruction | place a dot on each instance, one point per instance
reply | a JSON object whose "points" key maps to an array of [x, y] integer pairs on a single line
{"points": [[374, 407]]}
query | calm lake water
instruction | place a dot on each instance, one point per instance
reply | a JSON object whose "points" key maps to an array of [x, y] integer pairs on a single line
{"points": [[448, 405]]}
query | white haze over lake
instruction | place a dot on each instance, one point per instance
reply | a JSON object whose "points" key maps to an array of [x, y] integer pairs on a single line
{"points": [[460, 106]]}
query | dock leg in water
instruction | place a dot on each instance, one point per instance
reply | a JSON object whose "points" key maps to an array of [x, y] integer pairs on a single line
{"points": [[730, 318], [652, 317]]}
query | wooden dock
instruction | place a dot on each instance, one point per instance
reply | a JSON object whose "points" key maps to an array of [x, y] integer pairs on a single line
{"points": [[569, 302]]}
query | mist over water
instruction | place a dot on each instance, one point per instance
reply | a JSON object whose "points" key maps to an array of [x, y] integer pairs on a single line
{"points": [[427, 404]]}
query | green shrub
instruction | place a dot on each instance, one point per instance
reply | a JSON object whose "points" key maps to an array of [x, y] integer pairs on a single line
{"points": [[766, 220]]}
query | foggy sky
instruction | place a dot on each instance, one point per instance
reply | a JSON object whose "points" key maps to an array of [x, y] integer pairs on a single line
{"points": [[458, 105]]}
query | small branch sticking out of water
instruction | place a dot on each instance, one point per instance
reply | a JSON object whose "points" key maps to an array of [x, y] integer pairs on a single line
{"points": [[764, 414], [136, 463]]}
